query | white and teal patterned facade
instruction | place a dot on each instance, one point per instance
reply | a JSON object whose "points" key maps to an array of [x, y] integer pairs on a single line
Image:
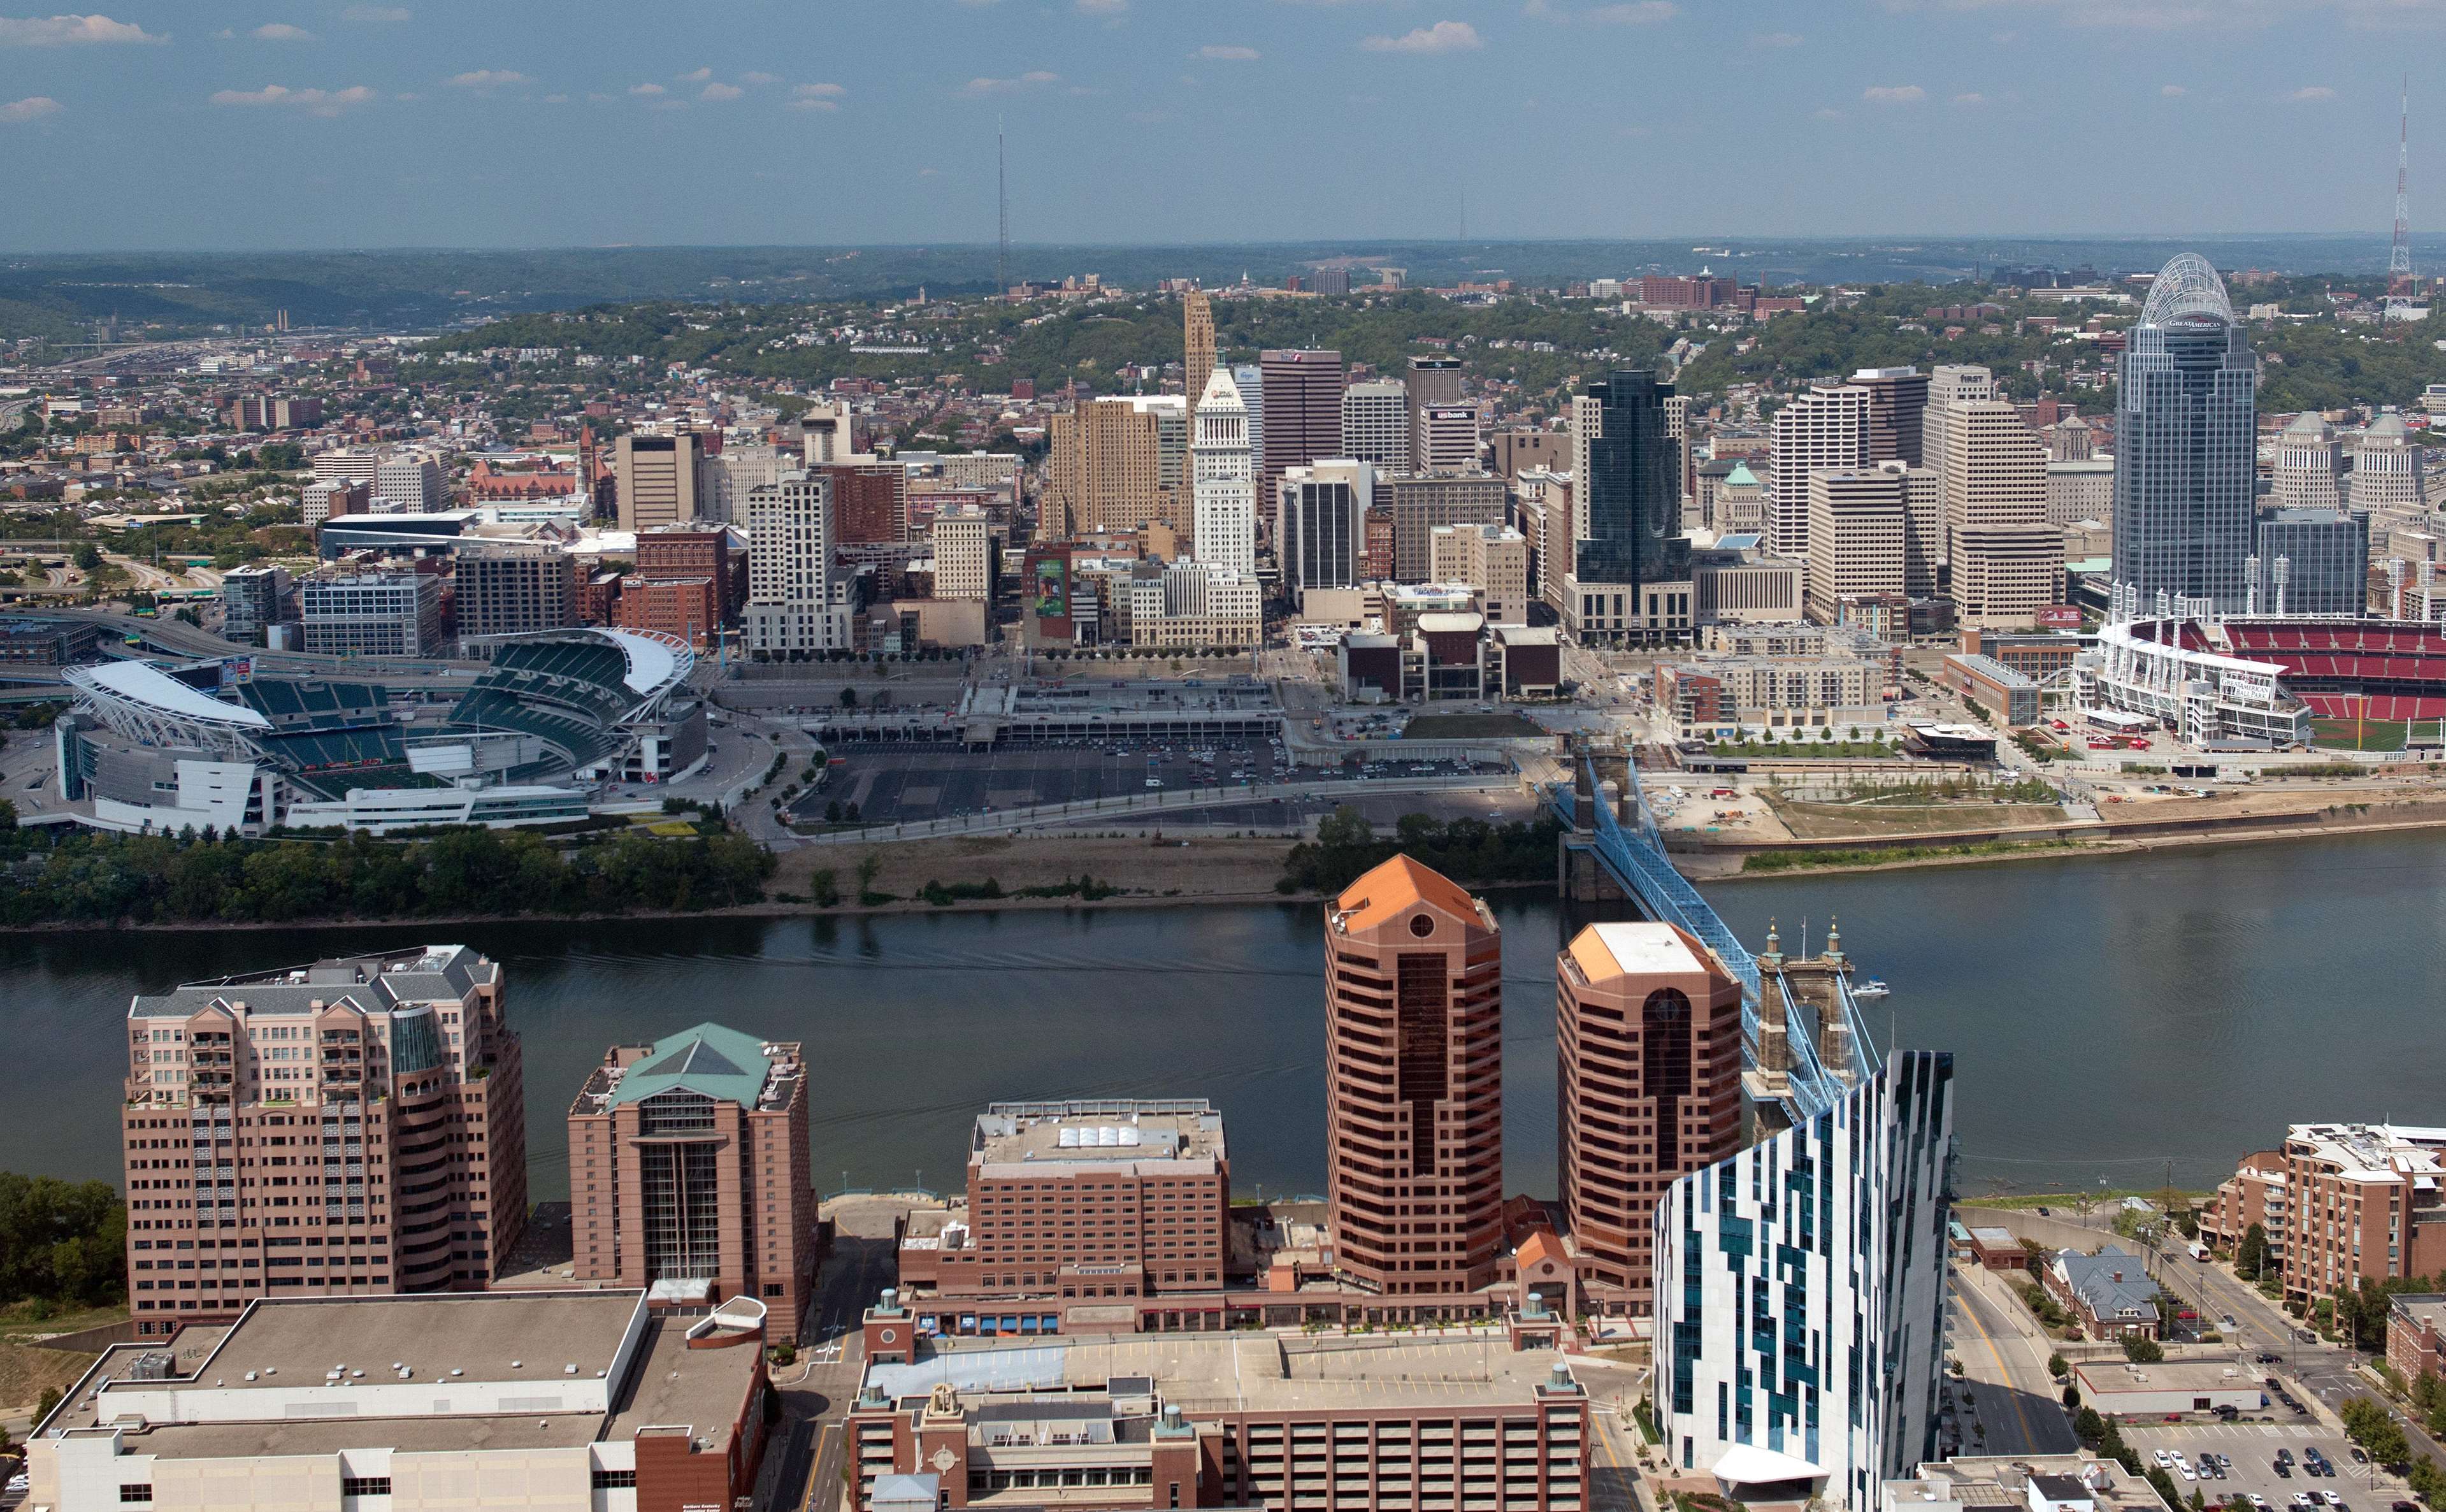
{"points": [[1799, 1294]]}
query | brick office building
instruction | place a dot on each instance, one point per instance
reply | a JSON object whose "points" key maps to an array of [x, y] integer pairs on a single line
{"points": [[1648, 1036], [1110, 1198], [353, 1126], [689, 607], [688, 1165], [678, 551], [1414, 1083]]}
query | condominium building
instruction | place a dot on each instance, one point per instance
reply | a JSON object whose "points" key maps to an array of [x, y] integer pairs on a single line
{"points": [[963, 554], [1494, 559], [1376, 425], [412, 482], [1859, 535], [2340, 1203], [1118, 464], [724, 479], [1824, 425], [2310, 465], [560, 1399], [689, 609], [511, 590], [1241, 1420], [1414, 1083], [254, 599], [1223, 484], [1445, 438], [1851, 1280], [1418, 502], [1648, 1038], [1319, 515], [351, 1126], [371, 613], [1084, 1198], [795, 607], [1299, 399], [688, 1171], [655, 476]]}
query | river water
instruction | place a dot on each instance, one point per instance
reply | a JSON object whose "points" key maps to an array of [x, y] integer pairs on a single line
{"points": [[2108, 1015]]}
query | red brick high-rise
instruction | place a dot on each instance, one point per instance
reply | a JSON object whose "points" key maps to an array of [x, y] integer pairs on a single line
{"points": [[1414, 1083], [1648, 1036], [870, 502]]}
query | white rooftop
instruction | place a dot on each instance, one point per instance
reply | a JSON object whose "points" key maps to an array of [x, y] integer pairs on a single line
{"points": [[142, 683]]}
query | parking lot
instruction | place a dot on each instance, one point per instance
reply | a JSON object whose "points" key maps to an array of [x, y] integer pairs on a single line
{"points": [[902, 784], [2252, 1448]]}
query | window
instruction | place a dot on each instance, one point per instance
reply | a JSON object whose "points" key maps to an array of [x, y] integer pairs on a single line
{"points": [[136, 1494], [614, 1480]]}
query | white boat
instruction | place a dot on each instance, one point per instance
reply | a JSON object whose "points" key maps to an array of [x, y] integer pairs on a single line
{"points": [[1870, 991]]}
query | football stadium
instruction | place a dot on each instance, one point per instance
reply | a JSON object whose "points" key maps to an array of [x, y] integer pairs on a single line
{"points": [[553, 718]]}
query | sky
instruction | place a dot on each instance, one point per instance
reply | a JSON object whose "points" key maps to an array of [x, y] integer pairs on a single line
{"points": [[183, 125]]}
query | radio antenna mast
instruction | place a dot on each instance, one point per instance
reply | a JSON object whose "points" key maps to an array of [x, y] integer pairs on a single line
{"points": [[2398, 261], [1002, 214]]}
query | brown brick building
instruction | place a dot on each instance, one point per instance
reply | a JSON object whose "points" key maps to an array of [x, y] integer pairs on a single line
{"points": [[689, 607], [351, 1127], [688, 1165], [681, 552], [870, 502], [1649, 1036], [1414, 1083]]}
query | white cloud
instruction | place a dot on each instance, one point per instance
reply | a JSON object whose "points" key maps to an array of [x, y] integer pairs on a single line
{"points": [[1032, 79], [63, 31], [2171, 91], [1970, 99], [696, 76], [758, 77], [376, 15], [1893, 94], [487, 79], [721, 92], [283, 32], [647, 89], [318, 101], [1636, 13], [1776, 39], [1444, 36], [34, 107], [2308, 92], [1224, 54], [817, 97]]}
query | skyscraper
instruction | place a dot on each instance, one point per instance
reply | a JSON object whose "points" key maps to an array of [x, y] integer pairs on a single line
{"points": [[1897, 402], [688, 1163], [2310, 465], [2186, 444], [1320, 515], [1431, 381], [392, 1079], [1115, 463], [1826, 425], [1198, 342], [1223, 482], [792, 611], [1627, 510], [656, 479], [1414, 1083], [1376, 425], [1251, 380], [1648, 1039], [1301, 398]]}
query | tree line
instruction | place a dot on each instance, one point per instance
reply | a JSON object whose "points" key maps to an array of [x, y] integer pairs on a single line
{"points": [[92, 877], [1466, 850]]}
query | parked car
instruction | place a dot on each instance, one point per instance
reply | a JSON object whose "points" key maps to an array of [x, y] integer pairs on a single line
{"points": [[2283, 1471]]}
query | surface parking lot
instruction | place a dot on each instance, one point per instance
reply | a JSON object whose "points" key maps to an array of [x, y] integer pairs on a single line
{"points": [[906, 784], [2252, 1447]]}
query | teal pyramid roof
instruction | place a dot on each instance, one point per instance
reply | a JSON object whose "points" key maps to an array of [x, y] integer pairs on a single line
{"points": [[718, 1062]]}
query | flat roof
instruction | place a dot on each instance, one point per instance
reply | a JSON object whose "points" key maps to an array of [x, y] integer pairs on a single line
{"points": [[1635, 948], [489, 1338], [2230, 1373], [1038, 1138]]}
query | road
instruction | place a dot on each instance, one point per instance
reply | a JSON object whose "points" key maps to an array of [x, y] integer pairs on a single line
{"points": [[818, 1392], [2006, 1390]]}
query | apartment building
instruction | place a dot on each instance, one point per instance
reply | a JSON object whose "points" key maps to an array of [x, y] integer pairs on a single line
{"points": [[688, 608], [689, 1170], [1649, 1036], [2342, 1202], [870, 502], [1118, 464], [353, 1127], [321, 501], [1414, 1083], [796, 608], [1083, 1198], [254, 599], [511, 590], [687, 551], [371, 613]]}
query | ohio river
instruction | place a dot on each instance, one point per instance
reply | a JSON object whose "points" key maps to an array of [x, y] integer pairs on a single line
{"points": [[2107, 1014]]}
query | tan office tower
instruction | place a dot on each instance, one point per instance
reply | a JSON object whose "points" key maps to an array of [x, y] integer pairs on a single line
{"points": [[1648, 1029], [1825, 426], [1414, 1083], [2007, 560], [1198, 343], [1422, 502], [656, 476], [1108, 467], [353, 1126], [1859, 535], [689, 1169], [1949, 384], [2003, 575], [1443, 438]]}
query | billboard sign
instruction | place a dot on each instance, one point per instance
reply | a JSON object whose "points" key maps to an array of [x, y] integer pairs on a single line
{"points": [[1052, 594]]}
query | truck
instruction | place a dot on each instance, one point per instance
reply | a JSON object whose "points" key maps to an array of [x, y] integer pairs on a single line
{"points": [[2197, 1250]]}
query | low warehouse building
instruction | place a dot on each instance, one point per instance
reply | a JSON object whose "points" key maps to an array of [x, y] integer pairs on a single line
{"points": [[2120, 1390]]}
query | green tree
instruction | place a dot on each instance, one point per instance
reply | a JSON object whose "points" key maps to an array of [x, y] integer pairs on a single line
{"points": [[2141, 1350], [2251, 1256], [2055, 1364], [2089, 1427]]}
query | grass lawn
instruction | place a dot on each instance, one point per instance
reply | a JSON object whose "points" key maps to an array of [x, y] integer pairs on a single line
{"points": [[2363, 735], [1471, 727]]}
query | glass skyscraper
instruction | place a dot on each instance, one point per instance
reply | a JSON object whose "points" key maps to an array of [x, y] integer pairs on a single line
{"points": [[2185, 445], [1631, 484]]}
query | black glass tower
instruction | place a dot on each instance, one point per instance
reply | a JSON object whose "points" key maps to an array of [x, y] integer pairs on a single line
{"points": [[1633, 488]]}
